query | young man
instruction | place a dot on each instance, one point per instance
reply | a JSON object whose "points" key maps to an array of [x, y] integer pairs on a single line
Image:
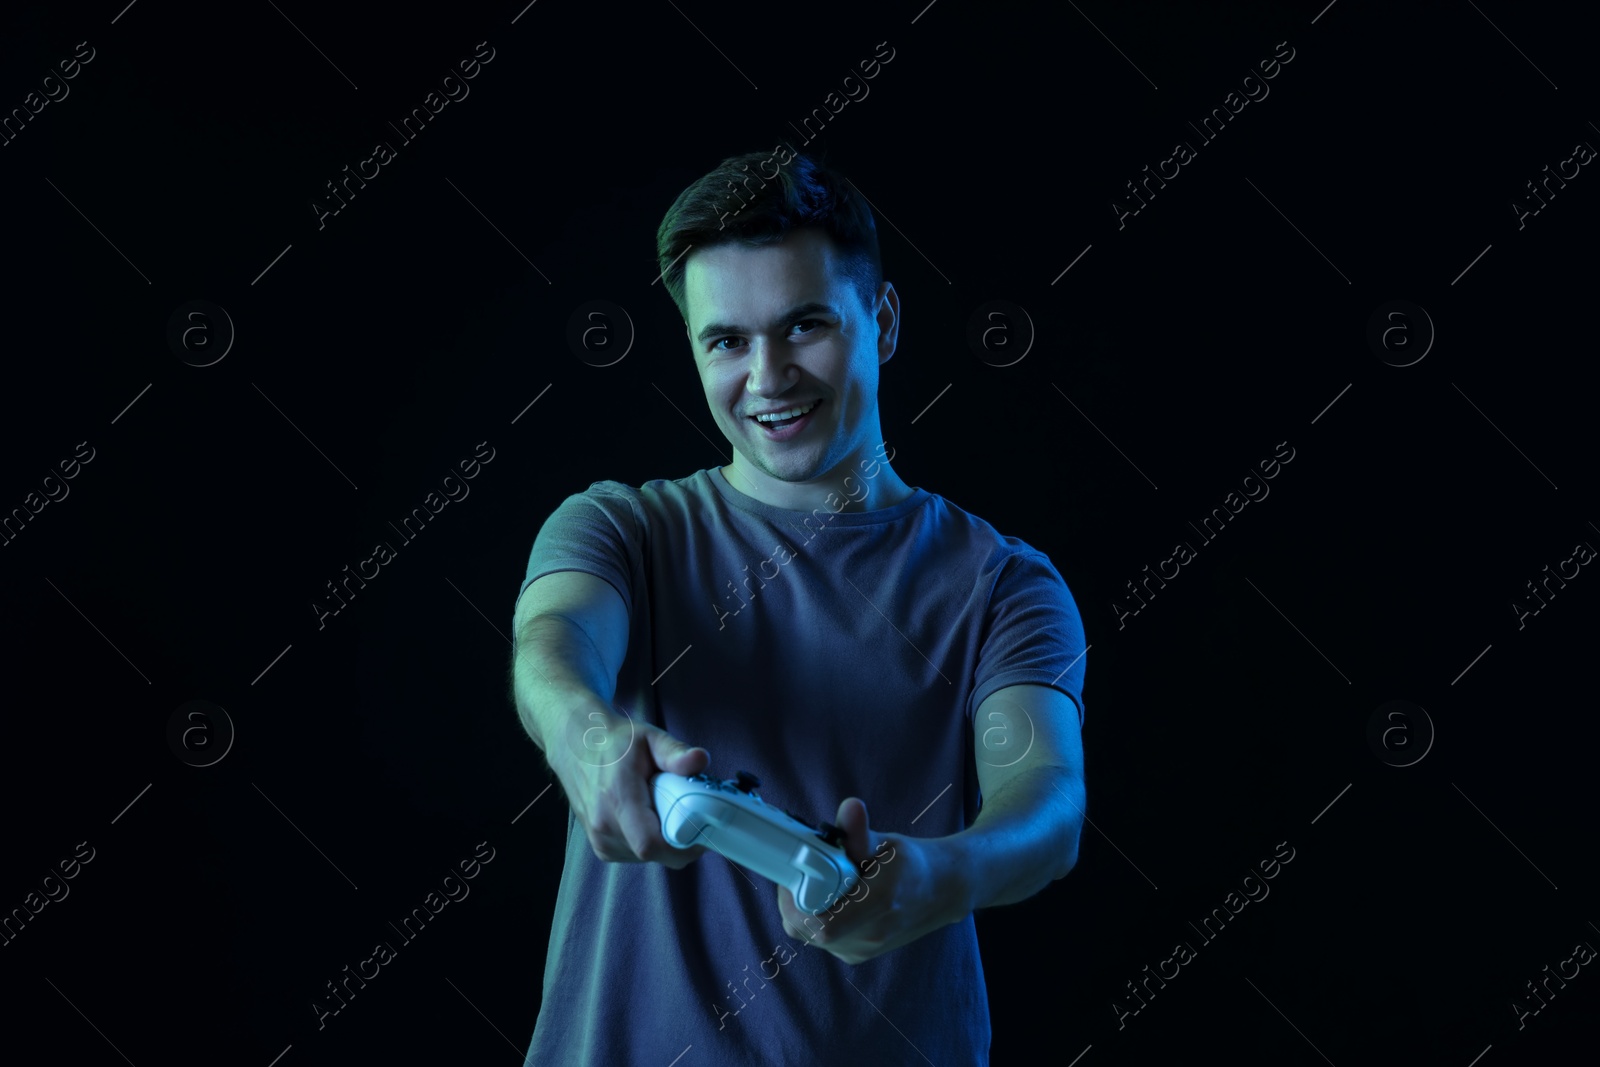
{"points": [[878, 657]]}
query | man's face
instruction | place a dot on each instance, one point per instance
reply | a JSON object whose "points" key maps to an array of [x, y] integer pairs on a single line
{"points": [[776, 327]]}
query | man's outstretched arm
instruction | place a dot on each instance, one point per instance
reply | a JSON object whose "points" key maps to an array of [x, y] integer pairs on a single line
{"points": [[1029, 750], [572, 637]]}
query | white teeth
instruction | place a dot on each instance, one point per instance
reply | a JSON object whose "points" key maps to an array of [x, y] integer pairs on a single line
{"points": [[786, 414]]}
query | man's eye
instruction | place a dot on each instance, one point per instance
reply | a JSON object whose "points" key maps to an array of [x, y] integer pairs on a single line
{"points": [[717, 345]]}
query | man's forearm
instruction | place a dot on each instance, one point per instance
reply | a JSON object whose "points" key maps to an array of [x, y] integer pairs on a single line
{"points": [[555, 664], [1025, 837]]}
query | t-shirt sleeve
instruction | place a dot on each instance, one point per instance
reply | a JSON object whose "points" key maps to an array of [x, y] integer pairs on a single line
{"points": [[598, 531], [1034, 633]]}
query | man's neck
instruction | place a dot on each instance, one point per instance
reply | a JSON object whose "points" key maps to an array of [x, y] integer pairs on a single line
{"points": [[883, 490]]}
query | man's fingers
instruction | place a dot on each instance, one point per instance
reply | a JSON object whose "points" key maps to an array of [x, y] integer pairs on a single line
{"points": [[636, 816], [678, 757], [620, 816], [641, 826]]}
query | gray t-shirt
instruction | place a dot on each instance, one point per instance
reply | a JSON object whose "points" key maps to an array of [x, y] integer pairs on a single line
{"points": [[831, 655]]}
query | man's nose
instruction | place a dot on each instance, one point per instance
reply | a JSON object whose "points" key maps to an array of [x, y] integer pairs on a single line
{"points": [[771, 369]]}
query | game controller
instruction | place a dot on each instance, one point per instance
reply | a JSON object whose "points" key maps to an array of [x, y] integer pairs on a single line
{"points": [[728, 816]]}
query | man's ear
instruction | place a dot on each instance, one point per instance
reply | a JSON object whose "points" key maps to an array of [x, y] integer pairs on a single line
{"points": [[888, 319]]}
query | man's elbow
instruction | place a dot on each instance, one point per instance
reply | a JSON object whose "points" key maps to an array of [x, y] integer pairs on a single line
{"points": [[1071, 833], [1069, 858]]}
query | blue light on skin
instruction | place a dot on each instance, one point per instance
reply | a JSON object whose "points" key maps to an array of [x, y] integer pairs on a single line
{"points": [[780, 322]]}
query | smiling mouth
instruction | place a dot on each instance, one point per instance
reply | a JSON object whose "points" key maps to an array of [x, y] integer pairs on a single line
{"points": [[779, 426]]}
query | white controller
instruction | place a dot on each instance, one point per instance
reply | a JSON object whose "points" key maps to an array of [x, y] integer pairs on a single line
{"points": [[730, 818]]}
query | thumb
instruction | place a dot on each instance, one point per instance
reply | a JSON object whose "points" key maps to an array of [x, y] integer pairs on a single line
{"points": [[678, 757], [852, 819]]}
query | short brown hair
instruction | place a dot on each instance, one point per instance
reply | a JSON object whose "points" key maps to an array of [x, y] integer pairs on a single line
{"points": [[735, 204]]}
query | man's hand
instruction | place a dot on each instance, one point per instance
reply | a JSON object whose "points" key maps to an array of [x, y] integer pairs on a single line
{"points": [[605, 763], [910, 886]]}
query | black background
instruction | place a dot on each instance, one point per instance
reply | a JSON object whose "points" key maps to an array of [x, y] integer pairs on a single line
{"points": [[378, 351]]}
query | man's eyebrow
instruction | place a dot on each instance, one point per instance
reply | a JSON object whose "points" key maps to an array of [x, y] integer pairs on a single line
{"points": [[799, 311]]}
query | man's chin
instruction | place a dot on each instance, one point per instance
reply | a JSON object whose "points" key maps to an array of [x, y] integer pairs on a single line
{"points": [[793, 473]]}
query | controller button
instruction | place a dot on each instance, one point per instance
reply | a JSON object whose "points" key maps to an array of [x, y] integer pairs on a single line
{"points": [[830, 833], [745, 782]]}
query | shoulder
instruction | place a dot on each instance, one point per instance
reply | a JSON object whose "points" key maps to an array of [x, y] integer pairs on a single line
{"points": [[1007, 555], [655, 495]]}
